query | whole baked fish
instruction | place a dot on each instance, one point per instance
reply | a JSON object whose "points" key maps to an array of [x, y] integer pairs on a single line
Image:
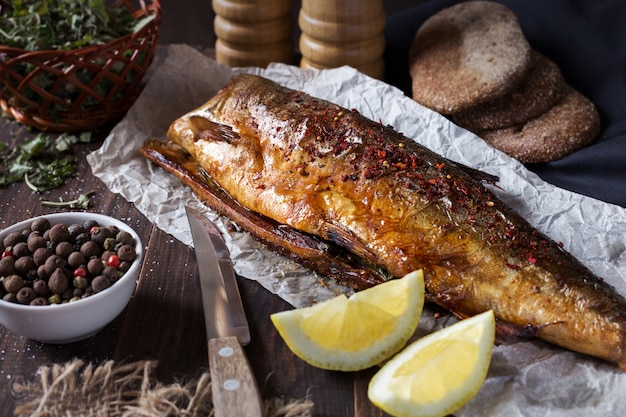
{"points": [[331, 173]]}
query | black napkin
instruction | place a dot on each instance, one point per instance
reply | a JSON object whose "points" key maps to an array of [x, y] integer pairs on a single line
{"points": [[587, 39]]}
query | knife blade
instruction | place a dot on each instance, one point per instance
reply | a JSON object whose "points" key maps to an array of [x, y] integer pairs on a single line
{"points": [[235, 392]]}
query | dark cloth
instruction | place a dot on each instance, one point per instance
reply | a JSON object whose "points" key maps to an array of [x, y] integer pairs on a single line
{"points": [[586, 39]]}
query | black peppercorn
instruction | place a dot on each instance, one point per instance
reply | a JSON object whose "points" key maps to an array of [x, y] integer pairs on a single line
{"points": [[100, 234], [89, 224], [80, 239], [75, 230]]}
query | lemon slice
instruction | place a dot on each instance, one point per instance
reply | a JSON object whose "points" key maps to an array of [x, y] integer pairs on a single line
{"points": [[350, 334], [438, 373]]}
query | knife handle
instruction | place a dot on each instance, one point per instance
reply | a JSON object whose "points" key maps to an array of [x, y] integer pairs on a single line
{"points": [[235, 392]]}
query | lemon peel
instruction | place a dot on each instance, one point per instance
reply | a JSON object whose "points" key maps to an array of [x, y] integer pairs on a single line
{"points": [[356, 332], [437, 374]]}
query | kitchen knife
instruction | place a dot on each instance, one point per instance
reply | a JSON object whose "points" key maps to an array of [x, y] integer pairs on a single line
{"points": [[234, 389]]}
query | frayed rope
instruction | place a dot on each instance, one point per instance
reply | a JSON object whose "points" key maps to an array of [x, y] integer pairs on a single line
{"points": [[76, 389]]}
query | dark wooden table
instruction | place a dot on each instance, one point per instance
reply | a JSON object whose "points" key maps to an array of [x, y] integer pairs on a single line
{"points": [[164, 320]]}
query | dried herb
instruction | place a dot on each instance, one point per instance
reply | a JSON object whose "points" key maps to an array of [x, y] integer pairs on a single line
{"points": [[82, 202], [62, 24], [44, 162]]}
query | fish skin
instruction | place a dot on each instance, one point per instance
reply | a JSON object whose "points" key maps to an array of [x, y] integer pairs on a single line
{"points": [[332, 173], [323, 257]]}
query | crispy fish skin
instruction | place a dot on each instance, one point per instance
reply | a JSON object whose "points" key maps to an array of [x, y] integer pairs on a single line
{"points": [[333, 173], [323, 257]]}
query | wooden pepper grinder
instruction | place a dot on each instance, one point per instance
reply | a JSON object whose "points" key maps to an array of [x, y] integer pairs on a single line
{"points": [[253, 32], [343, 32]]}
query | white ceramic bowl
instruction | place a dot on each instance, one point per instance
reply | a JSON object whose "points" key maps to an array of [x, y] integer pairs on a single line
{"points": [[71, 322]]}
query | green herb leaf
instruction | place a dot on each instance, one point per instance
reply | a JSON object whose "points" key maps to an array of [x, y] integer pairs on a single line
{"points": [[62, 24], [81, 202], [43, 162]]}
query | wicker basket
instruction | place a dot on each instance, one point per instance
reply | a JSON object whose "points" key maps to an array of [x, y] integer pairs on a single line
{"points": [[116, 68]]}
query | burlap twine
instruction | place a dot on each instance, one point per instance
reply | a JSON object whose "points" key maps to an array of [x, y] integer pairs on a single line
{"points": [[76, 389]]}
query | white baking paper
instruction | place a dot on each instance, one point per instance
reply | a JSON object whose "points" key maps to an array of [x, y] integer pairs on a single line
{"points": [[525, 378]]}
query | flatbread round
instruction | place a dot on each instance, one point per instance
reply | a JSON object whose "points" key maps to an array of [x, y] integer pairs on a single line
{"points": [[540, 90], [467, 54], [571, 124]]}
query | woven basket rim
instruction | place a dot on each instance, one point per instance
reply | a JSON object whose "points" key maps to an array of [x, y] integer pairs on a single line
{"points": [[39, 117]]}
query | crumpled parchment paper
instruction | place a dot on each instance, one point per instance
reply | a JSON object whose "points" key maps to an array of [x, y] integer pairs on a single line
{"points": [[525, 378]]}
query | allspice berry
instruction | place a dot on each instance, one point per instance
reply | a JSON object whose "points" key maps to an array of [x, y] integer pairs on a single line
{"points": [[41, 287], [41, 255], [58, 233], [76, 259], [125, 238], [54, 262], [13, 283], [58, 281], [21, 249], [63, 249], [126, 253], [25, 295], [7, 266], [40, 225], [35, 241], [25, 264], [12, 239], [100, 283], [89, 249], [95, 266]]}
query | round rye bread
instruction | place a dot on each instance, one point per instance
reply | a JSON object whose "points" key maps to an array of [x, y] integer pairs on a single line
{"points": [[539, 91], [570, 125], [467, 54]]}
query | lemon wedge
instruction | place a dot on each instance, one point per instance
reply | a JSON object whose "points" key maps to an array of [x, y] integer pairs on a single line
{"points": [[356, 332], [438, 373]]}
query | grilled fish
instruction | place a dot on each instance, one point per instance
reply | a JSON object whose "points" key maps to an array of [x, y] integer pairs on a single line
{"points": [[329, 172]]}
